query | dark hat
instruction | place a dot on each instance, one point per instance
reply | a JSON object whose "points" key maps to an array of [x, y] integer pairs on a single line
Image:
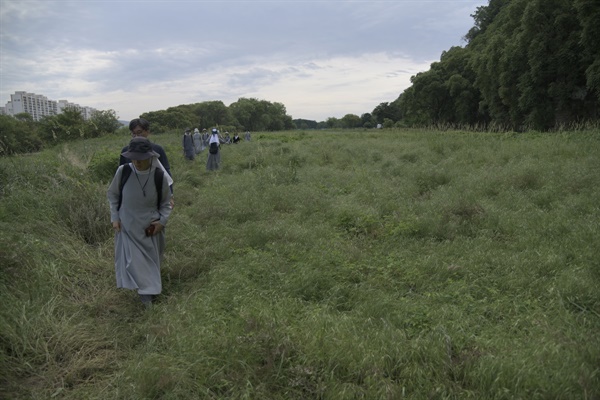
{"points": [[139, 148]]}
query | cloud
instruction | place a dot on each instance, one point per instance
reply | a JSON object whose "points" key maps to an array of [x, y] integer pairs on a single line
{"points": [[318, 58]]}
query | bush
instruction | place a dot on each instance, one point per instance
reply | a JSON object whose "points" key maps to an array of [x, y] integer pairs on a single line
{"points": [[103, 165], [17, 136]]}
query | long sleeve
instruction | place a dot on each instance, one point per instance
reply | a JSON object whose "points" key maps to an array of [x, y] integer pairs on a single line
{"points": [[113, 195], [165, 204]]}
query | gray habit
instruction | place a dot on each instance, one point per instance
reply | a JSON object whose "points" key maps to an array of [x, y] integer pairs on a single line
{"points": [[137, 256], [198, 143], [188, 147]]}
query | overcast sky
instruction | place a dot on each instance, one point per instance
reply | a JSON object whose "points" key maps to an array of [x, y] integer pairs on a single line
{"points": [[320, 58]]}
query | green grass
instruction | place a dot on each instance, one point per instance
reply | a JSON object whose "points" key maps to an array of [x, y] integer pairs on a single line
{"points": [[314, 265]]}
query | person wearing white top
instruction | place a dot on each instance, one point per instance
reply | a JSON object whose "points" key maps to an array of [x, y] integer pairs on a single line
{"points": [[214, 151]]}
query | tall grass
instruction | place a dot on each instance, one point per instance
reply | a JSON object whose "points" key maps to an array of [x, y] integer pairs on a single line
{"points": [[332, 265]]}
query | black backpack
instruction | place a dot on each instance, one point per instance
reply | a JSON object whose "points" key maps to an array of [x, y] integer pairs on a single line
{"points": [[158, 182], [213, 148]]}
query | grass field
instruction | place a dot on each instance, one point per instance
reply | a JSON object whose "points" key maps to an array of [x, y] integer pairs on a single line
{"points": [[314, 265]]}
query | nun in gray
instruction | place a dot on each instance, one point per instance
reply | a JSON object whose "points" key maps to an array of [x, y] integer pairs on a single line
{"points": [[188, 145], [139, 220], [197, 141]]}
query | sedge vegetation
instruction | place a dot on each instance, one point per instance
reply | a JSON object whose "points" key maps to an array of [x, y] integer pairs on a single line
{"points": [[379, 264]]}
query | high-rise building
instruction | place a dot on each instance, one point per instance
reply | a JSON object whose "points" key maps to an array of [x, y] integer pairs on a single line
{"points": [[39, 106]]}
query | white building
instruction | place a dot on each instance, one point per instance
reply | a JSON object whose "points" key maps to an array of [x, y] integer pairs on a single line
{"points": [[39, 106]]}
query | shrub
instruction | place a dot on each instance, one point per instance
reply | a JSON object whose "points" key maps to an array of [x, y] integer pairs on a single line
{"points": [[17, 136], [103, 165]]}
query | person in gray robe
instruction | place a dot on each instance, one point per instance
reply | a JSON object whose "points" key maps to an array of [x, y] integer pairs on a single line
{"points": [[189, 151], [197, 141], [205, 138], [139, 221]]}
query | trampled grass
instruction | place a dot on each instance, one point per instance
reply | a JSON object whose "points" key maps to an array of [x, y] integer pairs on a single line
{"points": [[314, 265]]}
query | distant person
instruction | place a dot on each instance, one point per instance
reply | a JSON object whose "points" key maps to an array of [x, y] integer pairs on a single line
{"points": [[139, 198], [197, 141], [236, 138], [247, 136], [205, 138], [188, 145], [214, 151], [140, 127]]}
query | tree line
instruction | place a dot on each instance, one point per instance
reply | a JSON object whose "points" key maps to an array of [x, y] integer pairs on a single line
{"points": [[527, 64], [246, 114], [22, 134]]}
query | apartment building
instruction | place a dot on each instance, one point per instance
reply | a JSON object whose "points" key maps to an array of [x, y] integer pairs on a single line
{"points": [[39, 106]]}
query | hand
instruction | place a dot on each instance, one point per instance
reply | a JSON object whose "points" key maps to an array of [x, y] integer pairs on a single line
{"points": [[117, 226], [172, 202], [157, 227]]}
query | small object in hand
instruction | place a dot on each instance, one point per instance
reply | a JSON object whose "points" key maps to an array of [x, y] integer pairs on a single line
{"points": [[150, 230]]}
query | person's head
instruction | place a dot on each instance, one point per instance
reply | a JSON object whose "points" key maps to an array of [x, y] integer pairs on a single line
{"points": [[140, 153], [215, 131], [139, 127]]}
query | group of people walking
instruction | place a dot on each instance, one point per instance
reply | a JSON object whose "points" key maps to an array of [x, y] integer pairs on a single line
{"points": [[194, 144], [141, 201]]}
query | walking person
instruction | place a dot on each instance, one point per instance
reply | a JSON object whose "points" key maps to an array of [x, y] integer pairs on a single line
{"points": [[139, 198], [214, 151], [140, 127], [188, 145], [197, 141], [205, 138], [247, 136]]}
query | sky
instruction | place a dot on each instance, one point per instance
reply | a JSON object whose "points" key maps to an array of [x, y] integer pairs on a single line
{"points": [[319, 58]]}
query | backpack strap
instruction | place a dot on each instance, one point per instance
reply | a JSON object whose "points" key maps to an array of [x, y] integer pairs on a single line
{"points": [[125, 173], [158, 182]]}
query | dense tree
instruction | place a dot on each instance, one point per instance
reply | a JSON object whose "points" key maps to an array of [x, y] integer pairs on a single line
{"points": [[367, 120], [102, 122], [588, 13], [531, 66], [305, 124], [386, 110], [528, 64], [65, 126], [259, 115], [212, 113], [351, 121], [333, 122], [484, 16], [18, 135], [164, 120]]}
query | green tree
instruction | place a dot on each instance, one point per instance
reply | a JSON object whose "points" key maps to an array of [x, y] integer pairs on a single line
{"points": [[351, 121], [103, 122], [386, 110], [532, 64], [68, 125], [367, 120], [588, 12], [333, 122], [18, 135], [258, 115]]}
